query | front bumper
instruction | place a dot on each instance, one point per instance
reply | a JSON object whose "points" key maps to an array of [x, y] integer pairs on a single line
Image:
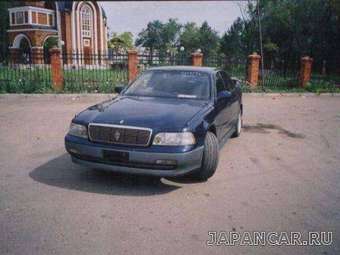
{"points": [[140, 162]]}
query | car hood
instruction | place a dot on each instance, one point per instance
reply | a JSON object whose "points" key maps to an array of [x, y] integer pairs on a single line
{"points": [[157, 113]]}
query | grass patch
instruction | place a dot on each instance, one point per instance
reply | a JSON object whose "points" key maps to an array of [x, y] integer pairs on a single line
{"points": [[275, 83], [322, 86], [25, 80], [94, 81], [317, 87], [38, 80]]}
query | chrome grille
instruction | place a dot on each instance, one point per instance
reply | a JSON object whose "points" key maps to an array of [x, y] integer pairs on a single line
{"points": [[118, 134]]}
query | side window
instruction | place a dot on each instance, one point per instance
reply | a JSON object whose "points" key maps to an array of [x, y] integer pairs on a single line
{"points": [[228, 81], [219, 83]]}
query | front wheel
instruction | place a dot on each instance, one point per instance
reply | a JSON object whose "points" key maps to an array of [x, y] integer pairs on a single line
{"points": [[210, 158]]}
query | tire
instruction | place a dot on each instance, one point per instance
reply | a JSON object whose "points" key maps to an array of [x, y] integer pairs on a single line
{"points": [[210, 158], [238, 126]]}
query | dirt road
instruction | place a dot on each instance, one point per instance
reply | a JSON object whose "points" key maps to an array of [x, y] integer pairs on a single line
{"points": [[282, 174]]}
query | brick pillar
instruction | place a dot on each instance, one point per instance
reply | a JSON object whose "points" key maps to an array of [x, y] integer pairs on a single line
{"points": [[197, 59], [37, 55], [253, 69], [305, 71], [132, 64], [14, 55], [56, 70]]}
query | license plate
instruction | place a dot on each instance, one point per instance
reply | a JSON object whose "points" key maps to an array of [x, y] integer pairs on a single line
{"points": [[116, 156]]}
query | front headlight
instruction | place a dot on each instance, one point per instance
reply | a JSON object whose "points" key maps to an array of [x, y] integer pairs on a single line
{"points": [[78, 130], [183, 138]]}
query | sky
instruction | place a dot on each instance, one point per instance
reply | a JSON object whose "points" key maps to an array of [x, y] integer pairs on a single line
{"points": [[134, 16]]}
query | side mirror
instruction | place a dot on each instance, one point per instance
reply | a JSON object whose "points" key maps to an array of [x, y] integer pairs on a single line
{"points": [[223, 96], [119, 88], [236, 81]]}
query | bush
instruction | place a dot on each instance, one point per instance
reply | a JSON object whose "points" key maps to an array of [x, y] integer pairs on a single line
{"points": [[322, 86]]}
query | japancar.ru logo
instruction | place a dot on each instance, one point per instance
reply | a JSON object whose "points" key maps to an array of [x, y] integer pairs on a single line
{"points": [[220, 238]]}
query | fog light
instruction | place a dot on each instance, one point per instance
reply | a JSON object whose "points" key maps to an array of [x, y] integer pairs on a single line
{"points": [[166, 162], [74, 151]]}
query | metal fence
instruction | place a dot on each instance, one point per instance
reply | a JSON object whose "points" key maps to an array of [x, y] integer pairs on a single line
{"points": [[235, 67], [97, 73], [275, 76], [29, 73], [25, 75], [94, 72], [158, 58], [279, 75]]}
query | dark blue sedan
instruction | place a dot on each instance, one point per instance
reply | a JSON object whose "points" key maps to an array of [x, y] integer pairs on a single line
{"points": [[168, 122]]}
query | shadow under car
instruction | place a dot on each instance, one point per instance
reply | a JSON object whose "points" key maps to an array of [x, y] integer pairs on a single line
{"points": [[61, 172]]}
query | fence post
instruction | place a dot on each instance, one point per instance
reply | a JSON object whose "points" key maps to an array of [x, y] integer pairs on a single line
{"points": [[197, 59], [305, 71], [56, 70], [253, 69], [132, 64]]}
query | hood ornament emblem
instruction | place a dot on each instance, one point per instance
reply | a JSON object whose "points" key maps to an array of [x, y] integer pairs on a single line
{"points": [[117, 135]]}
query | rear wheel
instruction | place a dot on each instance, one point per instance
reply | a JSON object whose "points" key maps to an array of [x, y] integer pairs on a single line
{"points": [[210, 158], [238, 126]]}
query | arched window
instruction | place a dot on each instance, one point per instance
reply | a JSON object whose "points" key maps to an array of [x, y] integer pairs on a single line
{"points": [[86, 21]]}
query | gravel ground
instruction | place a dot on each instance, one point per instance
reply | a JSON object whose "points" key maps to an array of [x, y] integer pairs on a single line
{"points": [[282, 174]]}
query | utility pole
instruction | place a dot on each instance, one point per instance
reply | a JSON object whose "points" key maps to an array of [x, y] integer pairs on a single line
{"points": [[260, 33]]}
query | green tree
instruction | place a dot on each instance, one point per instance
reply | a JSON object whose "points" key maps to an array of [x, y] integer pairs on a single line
{"points": [[151, 37], [189, 37], [160, 36], [123, 41], [170, 34], [4, 24], [232, 43], [208, 40], [291, 29], [204, 37], [335, 5], [51, 42]]}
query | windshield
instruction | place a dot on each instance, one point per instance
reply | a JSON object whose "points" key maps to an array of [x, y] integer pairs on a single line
{"points": [[171, 84]]}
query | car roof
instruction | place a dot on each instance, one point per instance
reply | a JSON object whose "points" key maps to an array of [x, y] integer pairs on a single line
{"points": [[209, 70]]}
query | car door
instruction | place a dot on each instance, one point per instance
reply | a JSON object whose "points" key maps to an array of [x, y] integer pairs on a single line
{"points": [[233, 100], [222, 106]]}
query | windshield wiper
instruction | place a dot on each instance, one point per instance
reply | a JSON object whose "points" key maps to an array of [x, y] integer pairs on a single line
{"points": [[186, 96]]}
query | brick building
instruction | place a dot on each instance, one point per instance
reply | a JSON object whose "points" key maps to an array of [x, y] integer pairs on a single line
{"points": [[79, 27]]}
